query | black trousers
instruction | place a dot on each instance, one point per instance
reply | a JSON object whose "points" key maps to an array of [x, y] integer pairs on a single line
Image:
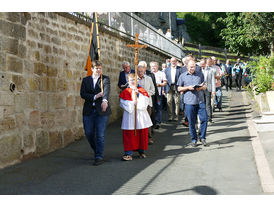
{"points": [[239, 80], [228, 82]]}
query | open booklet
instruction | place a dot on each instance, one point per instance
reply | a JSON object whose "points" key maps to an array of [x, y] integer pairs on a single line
{"points": [[198, 85]]}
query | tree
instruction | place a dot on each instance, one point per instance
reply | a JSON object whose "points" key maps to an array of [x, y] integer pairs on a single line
{"points": [[248, 32], [203, 27]]}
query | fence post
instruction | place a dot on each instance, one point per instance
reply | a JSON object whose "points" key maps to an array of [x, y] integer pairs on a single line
{"points": [[200, 51], [225, 54]]}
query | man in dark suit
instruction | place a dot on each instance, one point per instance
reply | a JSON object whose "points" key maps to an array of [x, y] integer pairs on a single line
{"points": [[96, 110], [155, 97], [172, 74], [123, 80], [228, 75]]}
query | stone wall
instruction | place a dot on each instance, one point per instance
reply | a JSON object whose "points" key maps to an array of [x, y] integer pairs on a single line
{"points": [[42, 56]]}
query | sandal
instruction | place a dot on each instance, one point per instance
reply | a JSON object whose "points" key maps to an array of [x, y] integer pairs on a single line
{"points": [[142, 155], [126, 158]]}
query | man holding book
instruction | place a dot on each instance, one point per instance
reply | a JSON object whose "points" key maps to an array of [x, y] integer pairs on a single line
{"points": [[191, 83]]}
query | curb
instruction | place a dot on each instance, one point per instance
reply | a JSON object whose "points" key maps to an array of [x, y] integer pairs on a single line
{"points": [[263, 169]]}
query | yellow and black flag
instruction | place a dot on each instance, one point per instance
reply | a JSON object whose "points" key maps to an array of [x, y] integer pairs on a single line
{"points": [[93, 46]]}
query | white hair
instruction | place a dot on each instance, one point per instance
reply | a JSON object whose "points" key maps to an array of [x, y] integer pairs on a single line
{"points": [[142, 63]]}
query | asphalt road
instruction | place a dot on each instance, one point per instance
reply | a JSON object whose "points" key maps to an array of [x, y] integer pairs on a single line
{"points": [[226, 167]]}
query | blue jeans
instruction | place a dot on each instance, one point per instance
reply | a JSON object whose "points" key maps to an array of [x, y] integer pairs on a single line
{"points": [[95, 130], [191, 112], [218, 97], [158, 110]]}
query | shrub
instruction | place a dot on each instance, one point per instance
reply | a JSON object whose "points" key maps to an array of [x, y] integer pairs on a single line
{"points": [[263, 71]]}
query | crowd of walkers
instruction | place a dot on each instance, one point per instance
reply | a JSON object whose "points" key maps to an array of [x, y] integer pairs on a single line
{"points": [[189, 88]]}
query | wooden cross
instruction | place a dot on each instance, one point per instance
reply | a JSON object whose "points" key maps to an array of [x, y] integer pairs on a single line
{"points": [[136, 47]]}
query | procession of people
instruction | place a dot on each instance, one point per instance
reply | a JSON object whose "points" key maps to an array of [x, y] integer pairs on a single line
{"points": [[191, 89]]}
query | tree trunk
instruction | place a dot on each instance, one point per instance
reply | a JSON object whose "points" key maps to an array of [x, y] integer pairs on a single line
{"points": [[272, 49]]}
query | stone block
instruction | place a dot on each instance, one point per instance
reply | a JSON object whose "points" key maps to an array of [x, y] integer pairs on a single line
{"points": [[25, 17], [22, 50], [28, 67], [2, 62], [21, 102], [28, 141], [55, 140], [61, 117], [6, 99], [7, 124], [43, 81], [51, 72], [1, 112], [56, 40], [21, 121], [14, 64], [31, 44], [19, 81], [47, 120], [45, 37], [69, 74], [47, 49], [13, 17], [34, 119], [33, 83], [68, 137], [63, 34], [10, 29], [51, 84], [60, 101], [44, 21], [9, 45], [42, 142], [51, 99], [9, 111], [70, 101], [51, 31], [40, 69], [62, 85], [78, 132], [10, 149], [32, 33]]}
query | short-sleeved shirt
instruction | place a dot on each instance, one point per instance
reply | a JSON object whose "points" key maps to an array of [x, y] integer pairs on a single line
{"points": [[160, 77], [187, 79]]}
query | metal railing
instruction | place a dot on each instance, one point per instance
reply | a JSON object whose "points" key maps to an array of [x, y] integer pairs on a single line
{"points": [[128, 24]]}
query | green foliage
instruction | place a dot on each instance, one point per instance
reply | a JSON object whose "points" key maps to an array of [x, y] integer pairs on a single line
{"points": [[263, 71], [203, 27], [248, 32]]}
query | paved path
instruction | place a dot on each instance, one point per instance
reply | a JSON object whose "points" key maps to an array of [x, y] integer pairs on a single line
{"points": [[226, 167]]}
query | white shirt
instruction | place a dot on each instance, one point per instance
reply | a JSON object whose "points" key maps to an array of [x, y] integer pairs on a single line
{"points": [[95, 79], [160, 77], [173, 74]]}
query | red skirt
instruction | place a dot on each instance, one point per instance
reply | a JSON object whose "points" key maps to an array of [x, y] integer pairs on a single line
{"points": [[135, 142]]}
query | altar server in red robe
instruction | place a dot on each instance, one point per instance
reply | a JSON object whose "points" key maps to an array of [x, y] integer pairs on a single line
{"points": [[132, 142]]}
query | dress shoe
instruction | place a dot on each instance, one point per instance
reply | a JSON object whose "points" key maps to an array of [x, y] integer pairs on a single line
{"points": [[186, 124], [204, 142], [176, 119], [157, 126], [193, 144], [98, 162]]}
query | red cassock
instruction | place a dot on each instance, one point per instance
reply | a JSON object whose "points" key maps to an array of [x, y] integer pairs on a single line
{"points": [[131, 141]]}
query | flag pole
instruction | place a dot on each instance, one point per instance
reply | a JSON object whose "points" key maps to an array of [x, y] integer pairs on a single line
{"points": [[99, 54], [89, 63]]}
